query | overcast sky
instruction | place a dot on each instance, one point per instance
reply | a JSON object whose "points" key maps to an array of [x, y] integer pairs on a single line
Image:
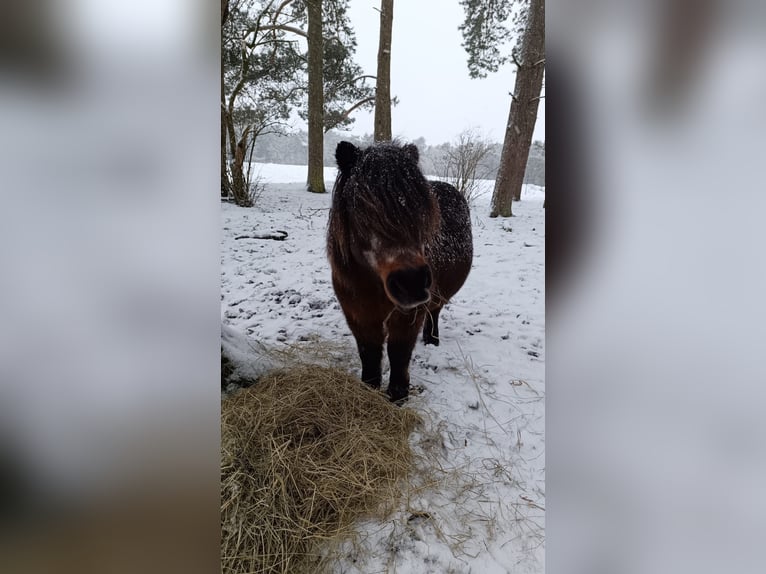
{"points": [[429, 74]]}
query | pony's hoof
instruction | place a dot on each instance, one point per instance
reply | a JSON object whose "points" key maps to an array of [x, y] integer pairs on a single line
{"points": [[430, 340], [372, 383], [398, 396]]}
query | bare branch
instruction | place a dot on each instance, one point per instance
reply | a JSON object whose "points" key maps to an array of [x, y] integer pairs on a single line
{"points": [[235, 92], [348, 112], [335, 89], [269, 128], [279, 9], [254, 29], [286, 28], [360, 78], [271, 41], [245, 133]]}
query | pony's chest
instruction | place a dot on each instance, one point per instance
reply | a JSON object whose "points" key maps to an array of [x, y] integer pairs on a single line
{"points": [[357, 280]]}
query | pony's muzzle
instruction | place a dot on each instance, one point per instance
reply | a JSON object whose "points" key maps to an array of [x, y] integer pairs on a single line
{"points": [[410, 287]]}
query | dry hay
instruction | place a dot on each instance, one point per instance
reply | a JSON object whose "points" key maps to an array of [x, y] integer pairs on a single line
{"points": [[305, 452]]}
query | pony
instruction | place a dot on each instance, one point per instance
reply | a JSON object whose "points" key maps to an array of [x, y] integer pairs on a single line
{"points": [[399, 248]]}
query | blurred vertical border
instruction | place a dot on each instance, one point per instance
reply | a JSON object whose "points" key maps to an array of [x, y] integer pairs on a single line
{"points": [[109, 274], [656, 323]]}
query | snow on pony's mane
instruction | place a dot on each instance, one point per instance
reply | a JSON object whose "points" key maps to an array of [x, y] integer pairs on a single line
{"points": [[381, 191]]}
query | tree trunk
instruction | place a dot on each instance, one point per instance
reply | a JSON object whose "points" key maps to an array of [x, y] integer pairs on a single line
{"points": [[225, 184], [239, 184], [315, 180], [383, 84], [521, 119]]}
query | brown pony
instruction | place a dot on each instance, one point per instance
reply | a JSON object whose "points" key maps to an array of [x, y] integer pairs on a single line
{"points": [[399, 247]]}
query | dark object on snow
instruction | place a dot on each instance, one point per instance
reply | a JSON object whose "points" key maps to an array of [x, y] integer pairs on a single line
{"points": [[277, 235], [400, 247]]}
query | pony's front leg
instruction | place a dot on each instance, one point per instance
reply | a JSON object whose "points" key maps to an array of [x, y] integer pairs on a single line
{"points": [[403, 330], [369, 341]]}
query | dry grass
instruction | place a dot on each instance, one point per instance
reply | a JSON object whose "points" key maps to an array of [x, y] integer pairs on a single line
{"points": [[305, 452]]}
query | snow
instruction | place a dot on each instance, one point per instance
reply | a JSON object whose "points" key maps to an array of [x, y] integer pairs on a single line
{"points": [[482, 391], [284, 173]]}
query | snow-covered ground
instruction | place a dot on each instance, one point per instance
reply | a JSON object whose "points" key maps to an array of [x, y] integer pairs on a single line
{"points": [[483, 388]]}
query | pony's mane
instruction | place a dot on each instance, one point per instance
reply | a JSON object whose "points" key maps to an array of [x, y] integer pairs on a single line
{"points": [[385, 194]]}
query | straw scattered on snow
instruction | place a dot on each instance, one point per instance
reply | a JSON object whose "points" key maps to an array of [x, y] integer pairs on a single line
{"points": [[304, 453]]}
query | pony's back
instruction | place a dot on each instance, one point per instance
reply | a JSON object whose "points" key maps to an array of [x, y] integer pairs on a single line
{"points": [[452, 250]]}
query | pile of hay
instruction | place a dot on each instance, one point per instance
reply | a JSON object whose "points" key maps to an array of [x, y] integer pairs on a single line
{"points": [[305, 452]]}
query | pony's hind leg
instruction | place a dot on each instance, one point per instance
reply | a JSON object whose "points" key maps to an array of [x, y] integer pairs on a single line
{"points": [[431, 327]]}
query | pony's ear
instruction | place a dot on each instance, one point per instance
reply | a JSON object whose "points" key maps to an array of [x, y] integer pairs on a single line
{"points": [[411, 150], [346, 155]]}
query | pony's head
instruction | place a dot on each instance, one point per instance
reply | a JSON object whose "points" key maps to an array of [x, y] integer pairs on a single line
{"points": [[388, 213]]}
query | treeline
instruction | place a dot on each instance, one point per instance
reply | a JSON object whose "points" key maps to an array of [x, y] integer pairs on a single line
{"points": [[292, 149]]}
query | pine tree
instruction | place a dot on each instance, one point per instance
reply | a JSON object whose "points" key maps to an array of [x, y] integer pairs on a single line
{"points": [[484, 30], [265, 78]]}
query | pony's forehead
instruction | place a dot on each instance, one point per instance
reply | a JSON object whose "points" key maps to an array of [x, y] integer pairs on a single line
{"points": [[383, 154], [383, 149], [382, 174]]}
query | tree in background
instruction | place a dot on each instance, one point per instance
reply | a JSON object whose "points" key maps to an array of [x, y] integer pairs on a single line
{"points": [[484, 30], [265, 76], [535, 171], [464, 162], [261, 83], [290, 148], [225, 183], [343, 86], [383, 83], [315, 178]]}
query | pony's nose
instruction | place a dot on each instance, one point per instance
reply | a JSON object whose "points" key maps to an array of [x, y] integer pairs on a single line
{"points": [[426, 272], [409, 286]]}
